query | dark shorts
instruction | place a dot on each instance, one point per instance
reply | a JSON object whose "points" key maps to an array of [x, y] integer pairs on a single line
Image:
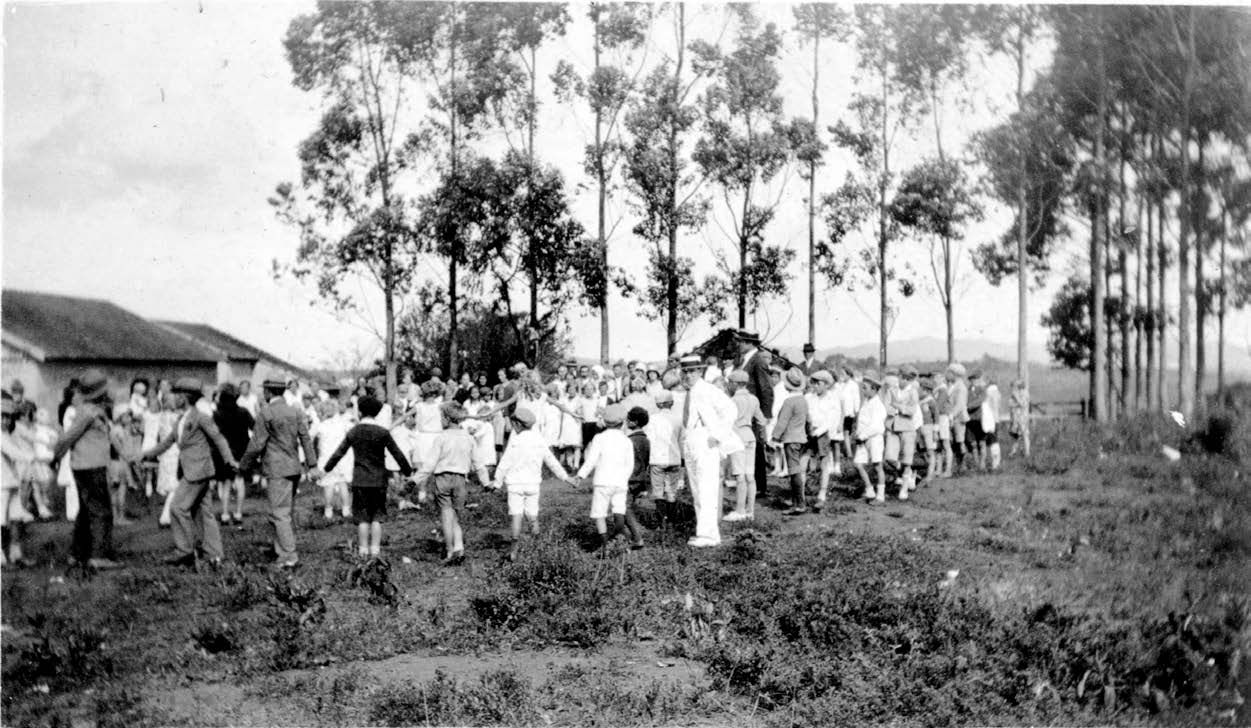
{"points": [[369, 505], [794, 451], [973, 428], [818, 446], [589, 431], [991, 437], [449, 491], [849, 424]]}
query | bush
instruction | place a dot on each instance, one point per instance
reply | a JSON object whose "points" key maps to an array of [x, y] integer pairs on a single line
{"points": [[62, 653], [500, 697]]}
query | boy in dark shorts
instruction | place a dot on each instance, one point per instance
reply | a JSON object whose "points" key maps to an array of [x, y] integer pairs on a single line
{"points": [[640, 483], [450, 462], [370, 442], [791, 432]]}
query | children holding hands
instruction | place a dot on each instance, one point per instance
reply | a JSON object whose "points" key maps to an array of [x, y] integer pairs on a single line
{"points": [[520, 473]]}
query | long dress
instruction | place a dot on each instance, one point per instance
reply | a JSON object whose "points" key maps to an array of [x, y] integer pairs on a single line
{"points": [[429, 423], [167, 462], [65, 476], [570, 428]]}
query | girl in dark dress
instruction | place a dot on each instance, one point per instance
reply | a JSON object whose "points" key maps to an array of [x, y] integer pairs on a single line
{"points": [[235, 424]]}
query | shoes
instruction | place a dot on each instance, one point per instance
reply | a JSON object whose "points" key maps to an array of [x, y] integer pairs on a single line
{"points": [[454, 559], [213, 564], [225, 519], [287, 565], [868, 494], [878, 502], [702, 543], [122, 521], [816, 507], [635, 546], [903, 493], [797, 511], [733, 516]]}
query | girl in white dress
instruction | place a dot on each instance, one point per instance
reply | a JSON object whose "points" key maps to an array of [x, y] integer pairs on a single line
{"points": [[570, 442], [167, 462], [428, 419]]}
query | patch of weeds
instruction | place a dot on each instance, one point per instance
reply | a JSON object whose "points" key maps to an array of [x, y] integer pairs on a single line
{"points": [[241, 589], [374, 576], [124, 707], [499, 697], [748, 546], [216, 638], [60, 653], [294, 607], [600, 696], [305, 604]]}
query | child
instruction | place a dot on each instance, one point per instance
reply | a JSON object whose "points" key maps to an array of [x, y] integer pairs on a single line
{"points": [[826, 414], [587, 410], [126, 435], [451, 459], [640, 480], [925, 435], [520, 473], [17, 459], [331, 433], [665, 454], [902, 407], [849, 403], [1018, 417], [975, 434], [570, 428], [426, 423], [958, 399], [611, 458], [943, 459], [750, 427], [791, 433], [35, 434], [777, 452], [989, 415], [870, 433], [369, 443]]}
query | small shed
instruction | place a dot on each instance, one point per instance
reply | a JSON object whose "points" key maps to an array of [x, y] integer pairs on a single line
{"points": [[725, 344]]}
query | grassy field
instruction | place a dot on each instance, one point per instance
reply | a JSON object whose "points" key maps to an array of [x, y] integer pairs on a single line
{"points": [[1097, 584]]}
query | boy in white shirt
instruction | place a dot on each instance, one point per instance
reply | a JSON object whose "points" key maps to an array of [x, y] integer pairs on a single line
{"points": [[520, 472], [849, 402], [611, 458], [664, 432], [826, 413], [870, 438], [990, 422]]}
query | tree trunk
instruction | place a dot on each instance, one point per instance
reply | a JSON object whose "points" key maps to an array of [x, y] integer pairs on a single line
{"points": [[671, 286], [601, 204], [1151, 320], [1162, 315], [1185, 386], [948, 302], [1201, 293], [1123, 264], [884, 309], [1099, 372], [453, 305], [1022, 241], [1139, 392], [1220, 311], [812, 195]]}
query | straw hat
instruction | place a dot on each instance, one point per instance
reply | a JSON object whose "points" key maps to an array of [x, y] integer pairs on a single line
{"points": [[794, 380]]}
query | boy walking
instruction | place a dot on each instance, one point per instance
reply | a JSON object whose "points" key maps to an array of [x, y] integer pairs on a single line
{"points": [[368, 443], [611, 459], [870, 433], [664, 437], [640, 477], [826, 413], [791, 432], [520, 473], [451, 459], [750, 427]]}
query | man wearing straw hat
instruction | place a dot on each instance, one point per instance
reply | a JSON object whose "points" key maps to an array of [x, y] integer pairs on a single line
{"points": [[707, 435]]}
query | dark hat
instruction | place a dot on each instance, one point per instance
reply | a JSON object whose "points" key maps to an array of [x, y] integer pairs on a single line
{"points": [[748, 335], [692, 361], [273, 385], [92, 384], [809, 348], [228, 389], [189, 385]]}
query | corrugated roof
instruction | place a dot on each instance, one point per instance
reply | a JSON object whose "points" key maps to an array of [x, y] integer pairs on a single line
{"points": [[72, 328], [228, 346]]}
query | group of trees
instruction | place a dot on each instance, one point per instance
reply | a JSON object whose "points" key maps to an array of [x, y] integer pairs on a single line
{"points": [[1136, 125]]}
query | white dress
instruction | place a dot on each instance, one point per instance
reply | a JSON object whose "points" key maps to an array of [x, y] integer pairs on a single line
{"points": [[570, 428], [167, 462], [429, 423]]}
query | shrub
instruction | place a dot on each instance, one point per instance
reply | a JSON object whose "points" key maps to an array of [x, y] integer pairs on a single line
{"points": [[63, 653], [215, 638], [500, 697], [374, 576]]}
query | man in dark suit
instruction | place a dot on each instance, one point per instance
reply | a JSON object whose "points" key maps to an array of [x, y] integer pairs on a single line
{"points": [[280, 433], [755, 361], [810, 364], [197, 436]]}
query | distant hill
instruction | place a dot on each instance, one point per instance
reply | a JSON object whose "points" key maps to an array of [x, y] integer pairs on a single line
{"points": [[929, 348]]}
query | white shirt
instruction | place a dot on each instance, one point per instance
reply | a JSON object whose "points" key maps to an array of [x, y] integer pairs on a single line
{"points": [[330, 434], [712, 414], [849, 397], [249, 402], [524, 458], [611, 458], [871, 420], [664, 432], [825, 411]]}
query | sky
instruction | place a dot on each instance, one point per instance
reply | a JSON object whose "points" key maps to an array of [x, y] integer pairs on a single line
{"points": [[142, 140]]}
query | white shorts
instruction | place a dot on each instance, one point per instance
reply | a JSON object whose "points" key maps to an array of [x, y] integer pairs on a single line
{"points": [[605, 498], [743, 462], [523, 500], [870, 451], [942, 430]]}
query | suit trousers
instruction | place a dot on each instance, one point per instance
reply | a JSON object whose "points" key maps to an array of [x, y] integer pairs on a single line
{"points": [[93, 526], [281, 492], [703, 469], [193, 520], [762, 468]]}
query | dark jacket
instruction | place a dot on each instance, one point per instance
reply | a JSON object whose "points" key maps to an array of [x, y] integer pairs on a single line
{"points": [[235, 424], [758, 381], [199, 436], [640, 478], [369, 443], [279, 434]]}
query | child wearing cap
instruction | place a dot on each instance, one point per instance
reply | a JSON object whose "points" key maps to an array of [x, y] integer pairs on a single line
{"points": [[369, 443], [664, 436], [791, 432], [780, 393], [610, 458], [750, 427], [520, 473], [925, 434], [451, 459], [975, 436], [826, 412], [640, 481], [870, 434]]}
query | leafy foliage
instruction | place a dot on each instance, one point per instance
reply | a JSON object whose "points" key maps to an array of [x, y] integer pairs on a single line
{"points": [[1070, 340]]}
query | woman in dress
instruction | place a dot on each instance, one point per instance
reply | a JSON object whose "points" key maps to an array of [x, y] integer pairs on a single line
{"points": [[167, 462], [570, 441]]}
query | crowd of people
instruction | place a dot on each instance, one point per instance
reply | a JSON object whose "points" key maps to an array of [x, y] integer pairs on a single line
{"points": [[692, 428]]}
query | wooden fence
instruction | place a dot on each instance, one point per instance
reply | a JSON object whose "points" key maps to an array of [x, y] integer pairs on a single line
{"points": [[1059, 410]]}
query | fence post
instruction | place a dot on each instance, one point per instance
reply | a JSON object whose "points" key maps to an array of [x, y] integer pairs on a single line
{"points": [[1084, 402]]}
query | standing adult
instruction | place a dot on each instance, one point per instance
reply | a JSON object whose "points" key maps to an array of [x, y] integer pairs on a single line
{"points": [[708, 435], [810, 364], [281, 431], [191, 510], [756, 363], [88, 444], [247, 400], [235, 424]]}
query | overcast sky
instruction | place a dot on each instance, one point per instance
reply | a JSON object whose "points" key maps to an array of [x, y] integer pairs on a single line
{"points": [[141, 142]]}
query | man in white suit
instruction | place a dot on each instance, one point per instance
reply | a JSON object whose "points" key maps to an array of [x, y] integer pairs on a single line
{"points": [[708, 416]]}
